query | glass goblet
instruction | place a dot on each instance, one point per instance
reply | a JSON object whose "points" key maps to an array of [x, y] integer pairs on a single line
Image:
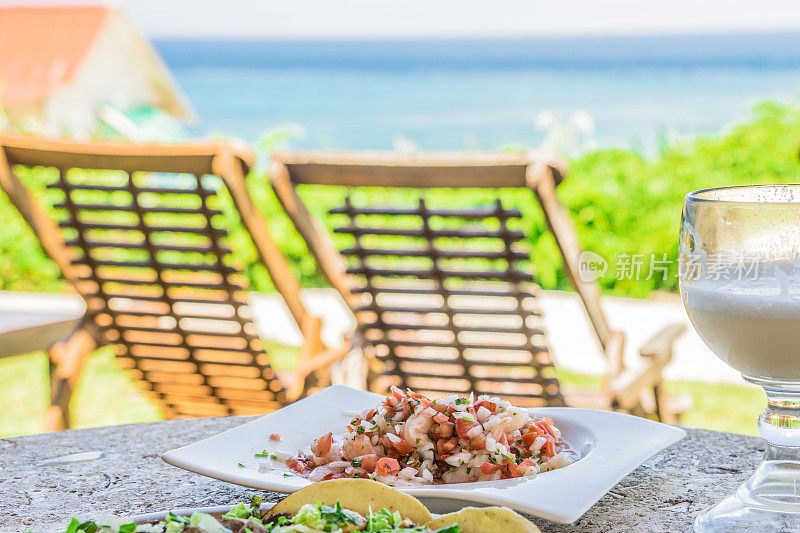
{"points": [[740, 283]]}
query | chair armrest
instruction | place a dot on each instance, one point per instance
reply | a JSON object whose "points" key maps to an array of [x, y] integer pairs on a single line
{"points": [[625, 390], [325, 358], [661, 343]]}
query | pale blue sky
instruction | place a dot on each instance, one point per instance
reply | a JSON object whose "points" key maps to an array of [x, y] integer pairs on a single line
{"points": [[448, 18]]}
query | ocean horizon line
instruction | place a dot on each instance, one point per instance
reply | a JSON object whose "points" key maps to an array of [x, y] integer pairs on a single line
{"points": [[753, 50]]}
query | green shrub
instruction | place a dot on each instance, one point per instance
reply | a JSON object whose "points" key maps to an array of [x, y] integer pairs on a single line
{"points": [[621, 202]]}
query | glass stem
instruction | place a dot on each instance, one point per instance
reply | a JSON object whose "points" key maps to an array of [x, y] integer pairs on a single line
{"points": [[779, 423]]}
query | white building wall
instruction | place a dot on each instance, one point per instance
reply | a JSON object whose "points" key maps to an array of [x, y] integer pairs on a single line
{"points": [[119, 71]]}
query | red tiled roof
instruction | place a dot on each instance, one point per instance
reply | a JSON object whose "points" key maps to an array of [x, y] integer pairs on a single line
{"points": [[43, 47]]}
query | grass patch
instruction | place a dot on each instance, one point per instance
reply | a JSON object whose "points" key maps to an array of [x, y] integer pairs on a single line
{"points": [[717, 406], [106, 396]]}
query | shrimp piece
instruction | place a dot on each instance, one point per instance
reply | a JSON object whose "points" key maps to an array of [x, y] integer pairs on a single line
{"points": [[500, 428], [443, 431], [369, 462], [322, 445], [416, 428], [356, 446], [325, 450]]}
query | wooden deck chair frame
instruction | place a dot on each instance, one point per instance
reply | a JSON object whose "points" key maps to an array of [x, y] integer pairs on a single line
{"points": [[637, 391], [224, 160]]}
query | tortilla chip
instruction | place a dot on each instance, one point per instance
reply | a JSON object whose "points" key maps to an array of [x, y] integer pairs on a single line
{"points": [[485, 520], [359, 495]]}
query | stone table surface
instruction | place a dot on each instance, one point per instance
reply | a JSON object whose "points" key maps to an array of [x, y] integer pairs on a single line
{"points": [[45, 479]]}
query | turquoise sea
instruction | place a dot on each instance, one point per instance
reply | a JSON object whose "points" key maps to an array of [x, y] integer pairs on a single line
{"points": [[573, 93]]}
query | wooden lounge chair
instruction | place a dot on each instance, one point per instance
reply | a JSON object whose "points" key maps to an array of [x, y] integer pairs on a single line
{"points": [[140, 240], [441, 300]]}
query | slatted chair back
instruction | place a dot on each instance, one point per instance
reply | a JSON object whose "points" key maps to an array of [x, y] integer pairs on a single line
{"points": [[447, 308], [141, 235], [479, 329]]}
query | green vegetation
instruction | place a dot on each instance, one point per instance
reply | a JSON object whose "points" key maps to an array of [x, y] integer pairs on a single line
{"points": [[622, 203]]}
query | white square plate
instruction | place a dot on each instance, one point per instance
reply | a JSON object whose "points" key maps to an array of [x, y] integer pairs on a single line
{"points": [[611, 446]]}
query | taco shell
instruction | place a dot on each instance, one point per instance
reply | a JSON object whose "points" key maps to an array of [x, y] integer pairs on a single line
{"points": [[485, 520], [359, 495]]}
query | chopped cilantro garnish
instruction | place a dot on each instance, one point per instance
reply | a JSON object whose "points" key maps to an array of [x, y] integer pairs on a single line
{"points": [[240, 465], [356, 463], [459, 401], [360, 430]]}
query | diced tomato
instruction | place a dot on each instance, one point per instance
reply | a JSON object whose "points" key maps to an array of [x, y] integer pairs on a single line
{"points": [[387, 466], [518, 470], [369, 462], [446, 446], [489, 468], [546, 428], [549, 448], [370, 415], [402, 447], [322, 445], [463, 427], [406, 410], [515, 470], [424, 401], [478, 443], [487, 404], [528, 438], [296, 465], [275, 436], [441, 418]]}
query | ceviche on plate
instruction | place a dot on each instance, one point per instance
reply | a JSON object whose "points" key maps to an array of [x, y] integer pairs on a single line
{"points": [[410, 439]]}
